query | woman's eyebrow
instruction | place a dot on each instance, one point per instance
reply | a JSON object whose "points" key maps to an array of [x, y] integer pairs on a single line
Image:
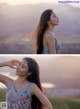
{"points": [[54, 14], [19, 62], [23, 64]]}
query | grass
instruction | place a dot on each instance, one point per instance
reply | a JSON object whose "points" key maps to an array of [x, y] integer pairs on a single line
{"points": [[2, 95], [57, 103], [65, 103]]}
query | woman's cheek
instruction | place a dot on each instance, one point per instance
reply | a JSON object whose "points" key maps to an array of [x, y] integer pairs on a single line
{"points": [[55, 21]]}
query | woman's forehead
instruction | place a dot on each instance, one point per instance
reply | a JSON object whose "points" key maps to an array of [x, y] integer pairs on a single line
{"points": [[24, 61]]}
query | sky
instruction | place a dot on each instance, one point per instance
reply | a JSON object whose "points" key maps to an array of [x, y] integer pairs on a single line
{"points": [[18, 2], [14, 2]]}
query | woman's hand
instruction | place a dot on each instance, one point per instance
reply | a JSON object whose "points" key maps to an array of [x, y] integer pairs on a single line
{"points": [[11, 64]]}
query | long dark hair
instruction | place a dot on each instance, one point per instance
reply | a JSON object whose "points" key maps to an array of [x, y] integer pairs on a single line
{"points": [[35, 78], [41, 28]]}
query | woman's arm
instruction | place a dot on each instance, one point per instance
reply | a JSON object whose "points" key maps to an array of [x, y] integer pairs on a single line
{"points": [[43, 99], [51, 43], [4, 79]]}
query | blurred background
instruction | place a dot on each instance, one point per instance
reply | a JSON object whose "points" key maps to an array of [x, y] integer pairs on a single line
{"points": [[19, 18]]}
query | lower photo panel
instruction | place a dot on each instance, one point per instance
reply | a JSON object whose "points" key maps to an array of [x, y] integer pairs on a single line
{"points": [[30, 81]]}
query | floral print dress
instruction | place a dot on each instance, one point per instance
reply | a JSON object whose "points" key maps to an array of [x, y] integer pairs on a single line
{"points": [[18, 99]]}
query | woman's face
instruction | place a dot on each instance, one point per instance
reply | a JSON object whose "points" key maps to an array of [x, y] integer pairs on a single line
{"points": [[22, 68], [54, 19]]}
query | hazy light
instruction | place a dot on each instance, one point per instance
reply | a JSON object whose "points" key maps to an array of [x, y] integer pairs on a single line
{"points": [[15, 2], [48, 85], [77, 5], [18, 2], [2, 85], [45, 85]]}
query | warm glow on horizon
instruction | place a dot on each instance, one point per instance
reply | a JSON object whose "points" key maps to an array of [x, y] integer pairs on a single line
{"points": [[48, 85], [16, 2], [76, 5], [45, 85]]}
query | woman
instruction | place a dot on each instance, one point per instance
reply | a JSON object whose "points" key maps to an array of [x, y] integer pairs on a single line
{"points": [[25, 92], [46, 42]]}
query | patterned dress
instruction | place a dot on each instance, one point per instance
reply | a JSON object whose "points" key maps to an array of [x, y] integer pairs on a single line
{"points": [[18, 99]]}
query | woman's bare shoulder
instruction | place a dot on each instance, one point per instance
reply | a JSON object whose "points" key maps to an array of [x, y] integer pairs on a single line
{"points": [[48, 35], [49, 38], [32, 85]]}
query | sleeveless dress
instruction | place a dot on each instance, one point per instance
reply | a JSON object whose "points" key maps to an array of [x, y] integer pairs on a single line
{"points": [[57, 45], [18, 99]]}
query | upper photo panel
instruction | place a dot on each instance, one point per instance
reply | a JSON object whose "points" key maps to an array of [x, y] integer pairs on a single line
{"points": [[39, 27]]}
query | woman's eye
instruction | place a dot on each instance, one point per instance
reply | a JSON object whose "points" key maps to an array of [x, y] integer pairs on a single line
{"points": [[19, 63], [23, 66]]}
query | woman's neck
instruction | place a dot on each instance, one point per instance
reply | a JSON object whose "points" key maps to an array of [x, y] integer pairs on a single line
{"points": [[50, 28], [21, 79]]}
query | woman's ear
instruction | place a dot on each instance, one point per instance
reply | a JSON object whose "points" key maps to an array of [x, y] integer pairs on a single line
{"points": [[48, 22], [29, 73]]}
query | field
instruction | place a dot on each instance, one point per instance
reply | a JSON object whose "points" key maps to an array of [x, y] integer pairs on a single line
{"points": [[63, 103], [2, 95], [58, 103], [70, 49], [24, 45]]}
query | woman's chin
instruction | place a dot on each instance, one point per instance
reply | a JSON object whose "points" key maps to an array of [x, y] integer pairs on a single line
{"points": [[57, 23], [17, 73]]}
